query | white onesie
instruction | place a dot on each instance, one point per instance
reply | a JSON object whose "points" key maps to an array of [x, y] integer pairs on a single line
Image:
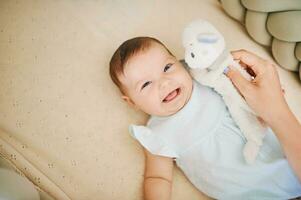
{"points": [[207, 144]]}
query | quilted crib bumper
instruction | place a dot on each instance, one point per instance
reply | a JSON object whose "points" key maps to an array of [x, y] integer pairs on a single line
{"points": [[272, 23]]}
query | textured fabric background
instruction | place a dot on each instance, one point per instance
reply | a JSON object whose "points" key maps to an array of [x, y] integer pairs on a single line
{"points": [[62, 122]]}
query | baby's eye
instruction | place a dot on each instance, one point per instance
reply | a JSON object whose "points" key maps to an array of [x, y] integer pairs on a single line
{"points": [[167, 67], [145, 84]]}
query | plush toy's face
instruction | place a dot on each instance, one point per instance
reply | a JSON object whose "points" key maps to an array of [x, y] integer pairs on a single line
{"points": [[203, 44]]}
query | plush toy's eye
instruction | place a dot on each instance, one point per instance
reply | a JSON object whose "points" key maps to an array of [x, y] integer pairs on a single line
{"points": [[207, 38], [192, 55]]}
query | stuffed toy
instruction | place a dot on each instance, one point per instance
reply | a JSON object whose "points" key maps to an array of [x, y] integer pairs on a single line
{"points": [[207, 57]]}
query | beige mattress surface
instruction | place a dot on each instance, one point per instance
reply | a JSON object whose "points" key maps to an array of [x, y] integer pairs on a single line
{"points": [[62, 122]]}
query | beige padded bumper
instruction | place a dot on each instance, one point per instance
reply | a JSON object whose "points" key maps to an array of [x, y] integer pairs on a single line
{"points": [[274, 23]]}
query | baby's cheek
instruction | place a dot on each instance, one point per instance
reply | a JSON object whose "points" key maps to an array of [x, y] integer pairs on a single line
{"points": [[150, 103]]}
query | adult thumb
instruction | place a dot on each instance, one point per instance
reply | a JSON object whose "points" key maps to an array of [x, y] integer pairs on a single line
{"points": [[242, 84]]}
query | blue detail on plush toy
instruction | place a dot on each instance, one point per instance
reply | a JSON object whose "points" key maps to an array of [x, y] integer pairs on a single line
{"points": [[207, 38], [226, 70]]}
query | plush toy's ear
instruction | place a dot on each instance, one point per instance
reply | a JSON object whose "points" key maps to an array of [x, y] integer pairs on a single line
{"points": [[207, 38]]}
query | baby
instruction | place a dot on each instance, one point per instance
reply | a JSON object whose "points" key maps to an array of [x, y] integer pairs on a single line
{"points": [[190, 124]]}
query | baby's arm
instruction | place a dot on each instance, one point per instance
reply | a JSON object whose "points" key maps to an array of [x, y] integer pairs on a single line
{"points": [[157, 177]]}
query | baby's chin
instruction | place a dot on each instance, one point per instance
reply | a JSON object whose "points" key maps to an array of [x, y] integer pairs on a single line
{"points": [[172, 111], [165, 110], [175, 109]]}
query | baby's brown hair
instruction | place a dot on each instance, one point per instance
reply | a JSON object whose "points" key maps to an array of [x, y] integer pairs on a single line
{"points": [[125, 51]]}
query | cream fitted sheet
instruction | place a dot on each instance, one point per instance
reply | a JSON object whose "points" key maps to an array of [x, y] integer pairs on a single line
{"points": [[62, 122]]}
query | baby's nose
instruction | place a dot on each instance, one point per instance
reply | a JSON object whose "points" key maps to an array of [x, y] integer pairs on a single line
{"points": [[165, 86], [164, 83]]}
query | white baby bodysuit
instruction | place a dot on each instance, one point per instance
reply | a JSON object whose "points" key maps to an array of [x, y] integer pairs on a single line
{"points": [[207, 146]]}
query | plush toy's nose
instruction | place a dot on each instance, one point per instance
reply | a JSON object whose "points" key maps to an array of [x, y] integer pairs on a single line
{"points": [[192, 55]]}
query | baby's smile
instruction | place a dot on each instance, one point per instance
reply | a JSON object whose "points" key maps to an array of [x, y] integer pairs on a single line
{"points": [[172, 95]]}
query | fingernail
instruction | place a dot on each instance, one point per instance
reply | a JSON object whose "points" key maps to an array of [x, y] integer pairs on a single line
{"points": [[226, 70]]}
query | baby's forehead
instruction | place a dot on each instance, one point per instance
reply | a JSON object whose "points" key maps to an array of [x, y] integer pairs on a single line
{"points": [[132, 70], [144, 60], [153, 54]]}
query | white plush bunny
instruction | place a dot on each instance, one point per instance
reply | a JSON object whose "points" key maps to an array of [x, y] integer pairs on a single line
{"points": [[207, 57]]}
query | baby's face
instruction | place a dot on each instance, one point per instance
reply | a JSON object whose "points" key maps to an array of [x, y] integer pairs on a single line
{"points": [[156, 82]]}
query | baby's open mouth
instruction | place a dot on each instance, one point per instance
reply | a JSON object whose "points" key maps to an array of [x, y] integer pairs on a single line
{"points": [[172, 95]]}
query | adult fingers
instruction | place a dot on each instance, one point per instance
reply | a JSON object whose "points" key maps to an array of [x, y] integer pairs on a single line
{"points": [[248, 69], [263, 123], [242, 84], [250, 60]]}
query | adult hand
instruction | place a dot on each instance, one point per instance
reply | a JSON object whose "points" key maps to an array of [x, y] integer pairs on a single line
{"points": [[264, 96], [264, 93]]}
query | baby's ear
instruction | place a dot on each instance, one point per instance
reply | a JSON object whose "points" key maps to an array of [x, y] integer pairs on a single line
{"points": [[128, 100]]}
